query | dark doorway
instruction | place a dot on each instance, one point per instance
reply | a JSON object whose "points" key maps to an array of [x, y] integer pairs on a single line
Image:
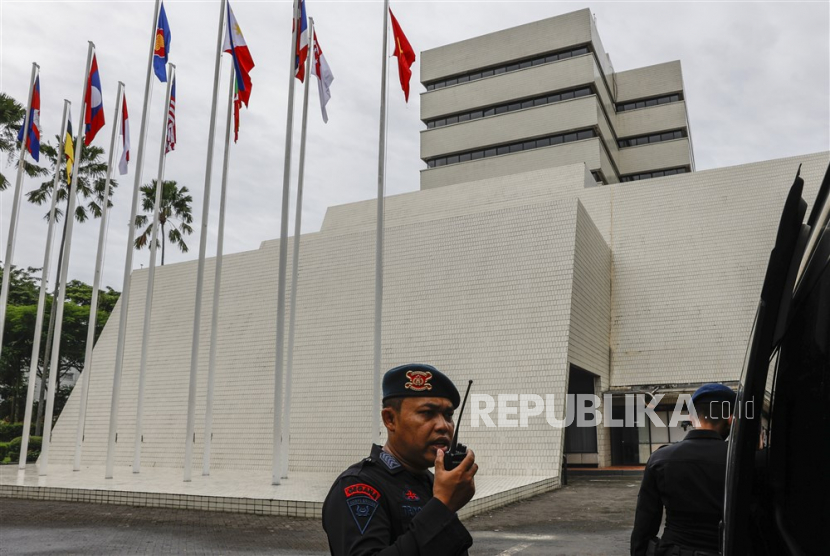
{"points": [[625, 441], [580, 440]]}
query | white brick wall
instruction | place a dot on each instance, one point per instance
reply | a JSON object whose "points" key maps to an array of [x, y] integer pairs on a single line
{"points": [[590, 327], [586, 151], [528, 82], [501, 280], [529, 123], [642, 121], [510, 44], [656, 156], [649, 81]]}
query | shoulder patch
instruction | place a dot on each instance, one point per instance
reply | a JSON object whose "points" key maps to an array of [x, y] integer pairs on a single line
{"points": [[389, 460], [362, 501]]}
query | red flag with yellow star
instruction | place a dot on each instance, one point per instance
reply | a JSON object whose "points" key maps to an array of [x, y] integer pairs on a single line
{"points": [[405, 54]]}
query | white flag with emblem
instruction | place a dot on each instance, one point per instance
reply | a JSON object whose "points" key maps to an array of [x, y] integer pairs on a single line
{"points": [[324, 77]]}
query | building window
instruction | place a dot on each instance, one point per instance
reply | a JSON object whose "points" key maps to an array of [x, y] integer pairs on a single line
{"points": [[513, 148], [507, 68], [654, 174], [651, 138], [646, 102], [532, 102]]}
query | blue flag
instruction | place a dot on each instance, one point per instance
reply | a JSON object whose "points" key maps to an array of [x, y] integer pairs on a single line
{"points": [[162, 47]]}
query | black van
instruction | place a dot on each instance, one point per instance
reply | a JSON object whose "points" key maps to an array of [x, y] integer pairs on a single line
{"points": [[778, 471]]}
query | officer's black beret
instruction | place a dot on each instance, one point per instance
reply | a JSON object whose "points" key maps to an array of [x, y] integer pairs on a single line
{"points": [[714, 392], [419, 380]]}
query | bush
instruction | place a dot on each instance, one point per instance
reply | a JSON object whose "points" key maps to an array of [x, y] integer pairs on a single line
{"points": [[8, 431], [34, 449], [4, 450]]}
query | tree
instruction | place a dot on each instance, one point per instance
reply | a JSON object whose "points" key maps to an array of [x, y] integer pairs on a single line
{"points": [[175, 212], [91, 185], [11, 120], [20, 328], [92, 181]]}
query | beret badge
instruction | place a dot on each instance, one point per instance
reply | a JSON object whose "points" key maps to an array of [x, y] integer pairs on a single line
{"points": [[418, 380]]}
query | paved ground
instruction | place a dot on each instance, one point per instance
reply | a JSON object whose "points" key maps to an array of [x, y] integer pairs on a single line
{"points": [[590, 516]]}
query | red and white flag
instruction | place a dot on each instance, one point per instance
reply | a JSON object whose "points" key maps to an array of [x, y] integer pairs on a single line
{"points": [[171, 120], [125, 139], [324, 77], [301, 34], [242, 62]]}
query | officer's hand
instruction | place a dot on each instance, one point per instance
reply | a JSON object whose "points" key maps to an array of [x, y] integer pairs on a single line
{"points": [[455, 488]]}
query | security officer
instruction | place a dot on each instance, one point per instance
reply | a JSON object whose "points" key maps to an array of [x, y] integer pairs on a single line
{"points": [[688, 479], [389, 503]]}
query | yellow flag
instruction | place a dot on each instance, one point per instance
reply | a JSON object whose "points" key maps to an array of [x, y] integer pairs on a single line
{"points": [[69, 151]]}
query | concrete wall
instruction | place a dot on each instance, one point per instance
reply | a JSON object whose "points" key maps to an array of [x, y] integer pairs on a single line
{"points": [[497, 89], [528, 123], [503, 46], [501, 280], [649, 81], [586, 151]]}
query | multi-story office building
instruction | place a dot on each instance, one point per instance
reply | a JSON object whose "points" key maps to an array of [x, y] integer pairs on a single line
{"points": [[543, 95]]}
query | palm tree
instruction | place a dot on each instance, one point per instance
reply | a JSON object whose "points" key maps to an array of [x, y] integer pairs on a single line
{"points": [[175, 212], [92, 175], [11, 119]]}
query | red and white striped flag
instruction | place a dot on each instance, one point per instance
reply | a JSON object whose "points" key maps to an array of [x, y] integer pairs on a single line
{"points": [[125, 139], [171, 120]]}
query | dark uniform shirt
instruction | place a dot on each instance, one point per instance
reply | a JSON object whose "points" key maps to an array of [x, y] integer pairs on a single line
{"points": [[377, 507], [688, 479]]}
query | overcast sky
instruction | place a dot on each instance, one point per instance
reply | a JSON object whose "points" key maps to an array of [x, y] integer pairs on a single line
{"points": [[756, 78]]}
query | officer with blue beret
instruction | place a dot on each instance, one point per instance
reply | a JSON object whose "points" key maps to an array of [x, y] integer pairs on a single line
{"points": [[687, 479], [390, 503]]}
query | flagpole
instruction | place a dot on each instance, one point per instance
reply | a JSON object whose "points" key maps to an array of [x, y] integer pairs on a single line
{"points": [[43, 462], [295, 255], [283, 261], [379, 241], [217, 285], [151, 278], [18, 192], [200, 272], [124, 300], [96, 284], [41, 300]]}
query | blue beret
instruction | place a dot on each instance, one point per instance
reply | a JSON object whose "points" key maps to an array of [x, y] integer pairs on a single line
{"points": [[714, 392], [419, 380]]}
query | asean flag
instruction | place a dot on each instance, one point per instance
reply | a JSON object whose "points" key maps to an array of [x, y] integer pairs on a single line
{"points": [[161, 47], [33, 138], [94, 116], [242, 62]]}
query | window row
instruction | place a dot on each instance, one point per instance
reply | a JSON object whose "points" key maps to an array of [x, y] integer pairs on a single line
{"points": [[653, 138], [475, 76], [512, 148], [502, 108], [656, 174], [622, 107]]}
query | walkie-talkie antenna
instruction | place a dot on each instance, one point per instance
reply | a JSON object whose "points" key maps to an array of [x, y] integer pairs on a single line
{"points": [[460, 413]]}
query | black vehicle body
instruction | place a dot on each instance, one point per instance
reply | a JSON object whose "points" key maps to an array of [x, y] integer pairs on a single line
{"points": [[778, 474]]}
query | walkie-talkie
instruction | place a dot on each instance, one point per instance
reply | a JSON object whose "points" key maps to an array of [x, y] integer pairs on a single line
{"points": [[457, 452]]}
